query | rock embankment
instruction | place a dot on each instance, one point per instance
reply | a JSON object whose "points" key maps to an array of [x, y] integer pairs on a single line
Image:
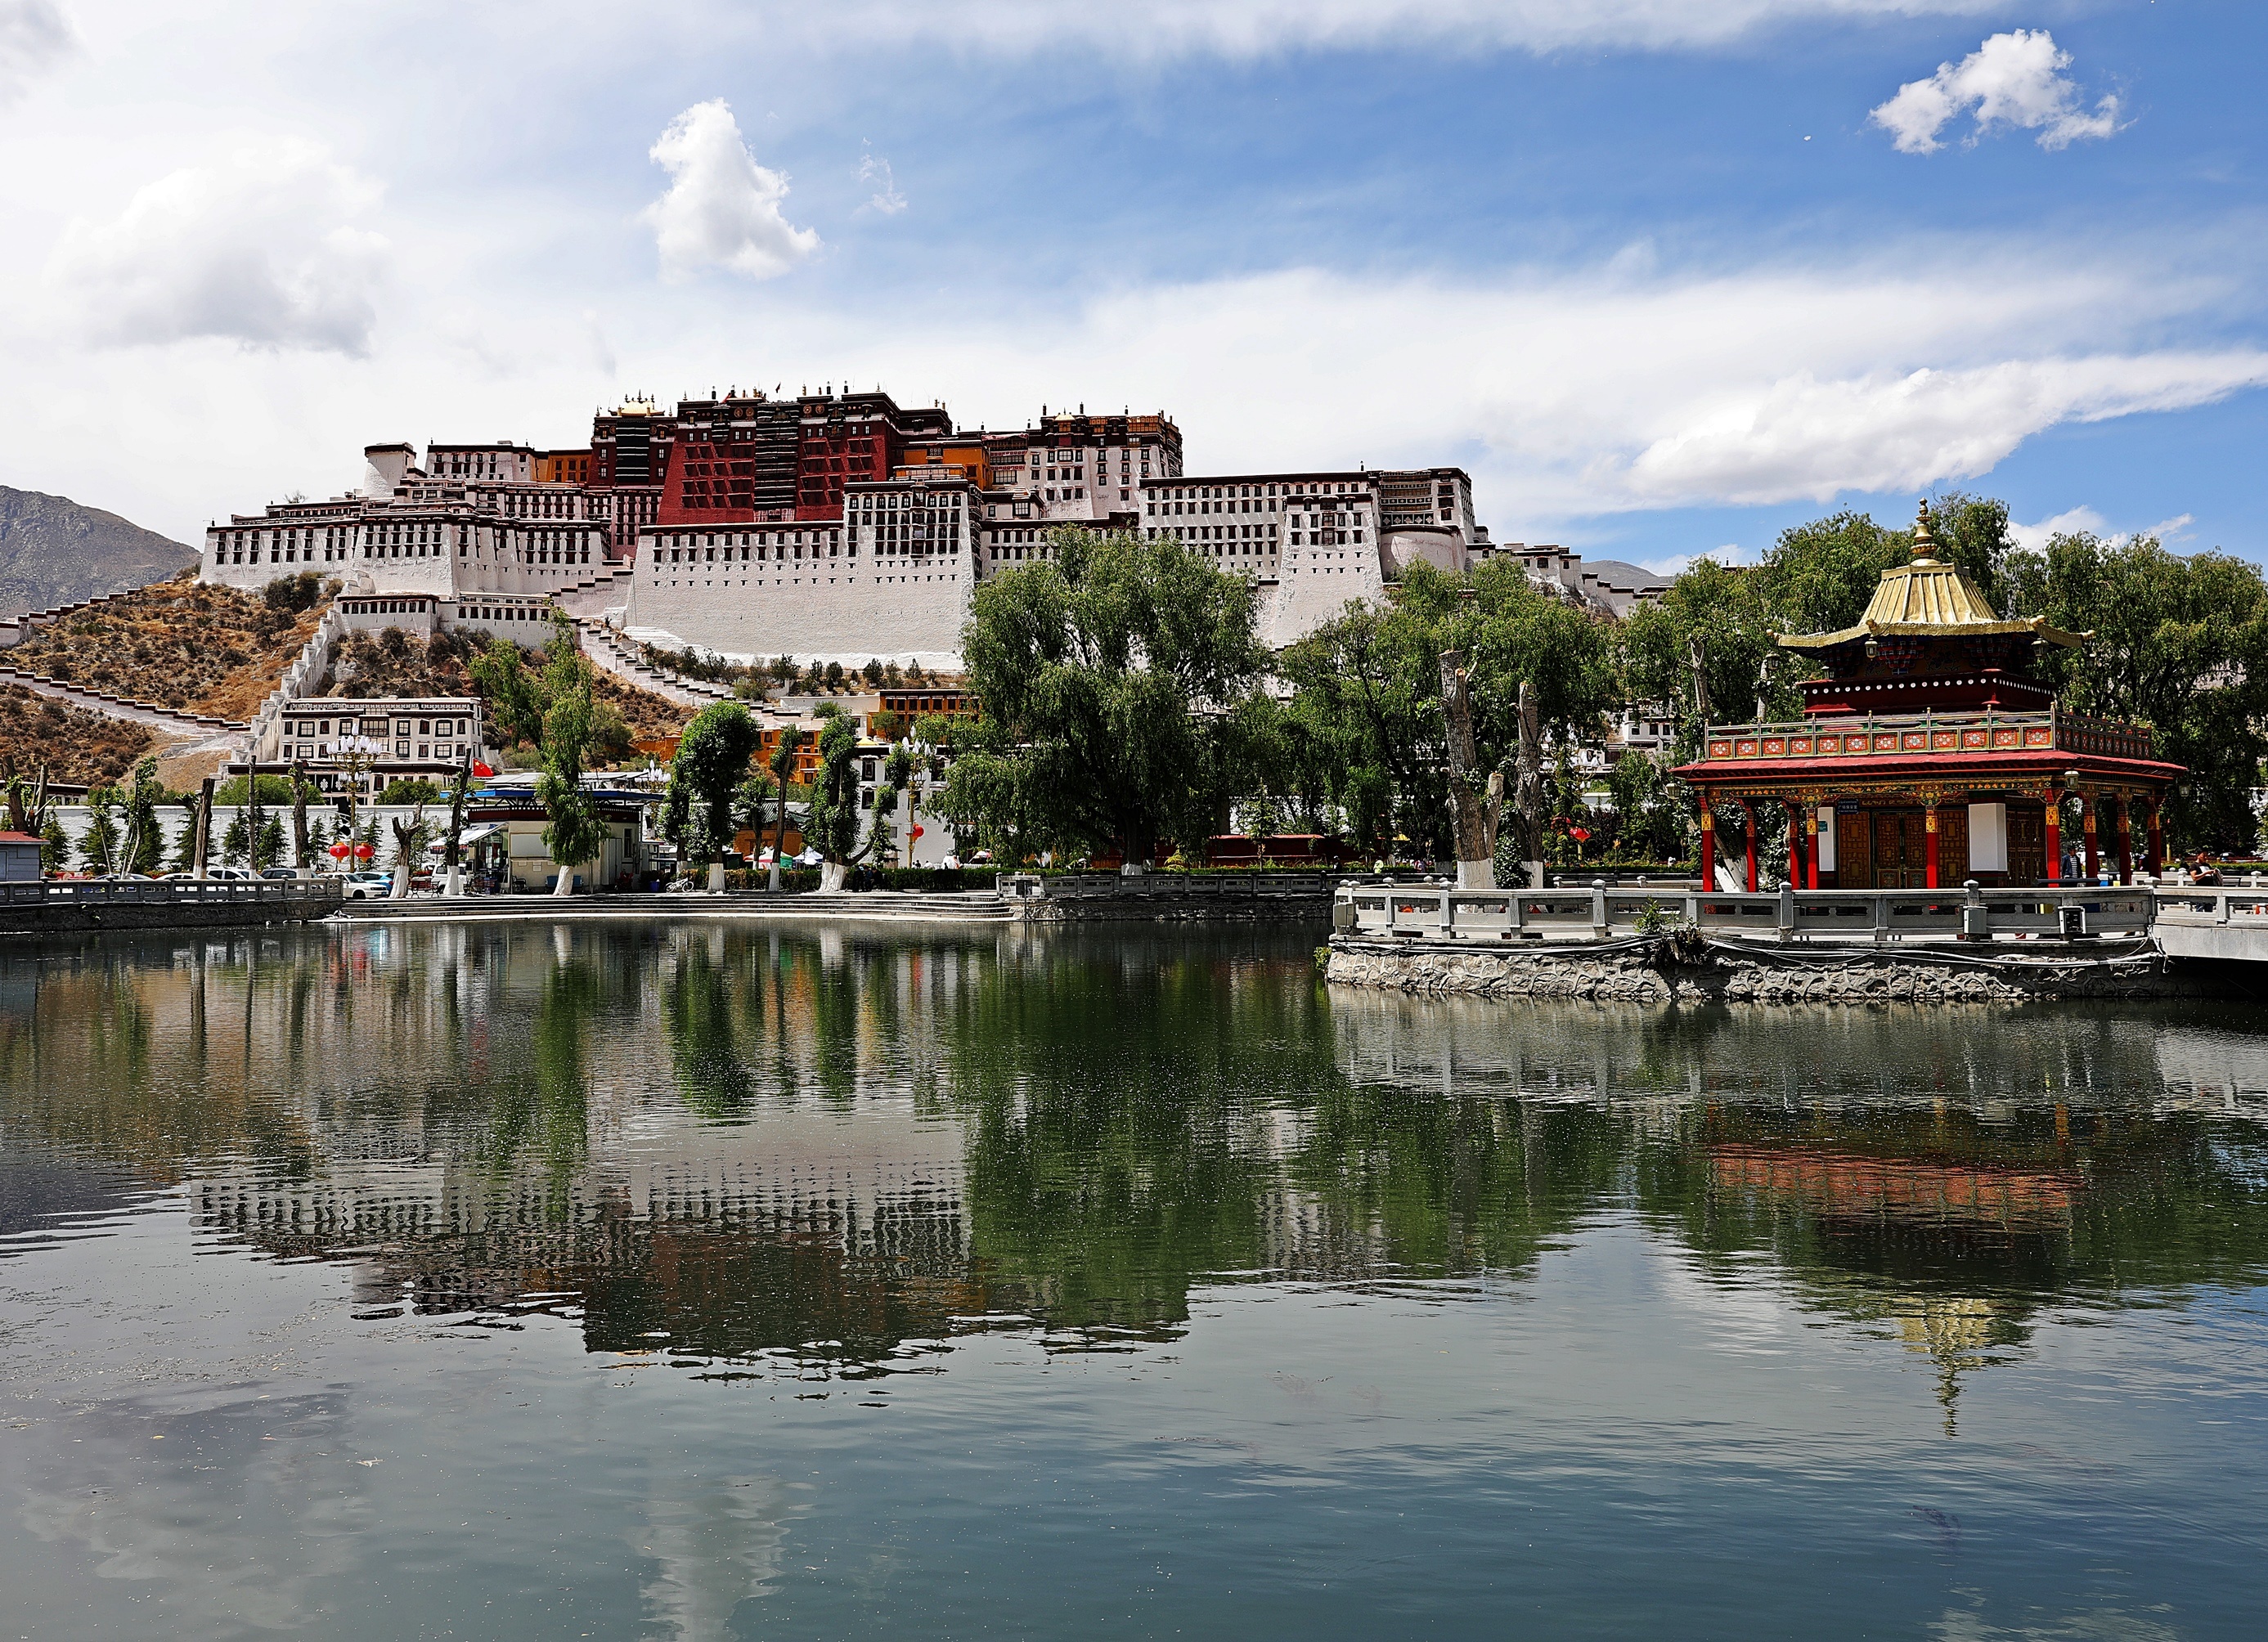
{"points": [[1662, 971]]}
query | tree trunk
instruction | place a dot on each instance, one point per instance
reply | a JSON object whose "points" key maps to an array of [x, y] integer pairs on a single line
{"points": [[455, 884], [716, 878], [299, 821], [1529, 800], [831, 874], [204, 825], [565, 884], [1475, 864]]}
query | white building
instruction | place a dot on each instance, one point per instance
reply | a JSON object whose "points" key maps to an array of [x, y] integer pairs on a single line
{"points": [[421, 553]]}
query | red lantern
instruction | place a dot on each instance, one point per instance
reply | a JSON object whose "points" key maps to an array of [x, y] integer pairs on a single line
{"points": [[341, 850], [917, 832], [1581, 834], [362, 852]]}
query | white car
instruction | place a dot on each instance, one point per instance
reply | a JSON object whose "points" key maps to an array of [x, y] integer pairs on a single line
{"points": [[368, 886]]}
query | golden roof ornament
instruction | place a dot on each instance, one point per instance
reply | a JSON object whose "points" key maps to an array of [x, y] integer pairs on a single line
{"points": [[1926, 598], [1925, 545]]}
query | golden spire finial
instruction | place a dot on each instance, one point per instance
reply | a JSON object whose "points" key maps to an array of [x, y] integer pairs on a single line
{"points": [[1925, 545]]}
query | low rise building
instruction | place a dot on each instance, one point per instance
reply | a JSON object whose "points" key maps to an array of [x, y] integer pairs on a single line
{"points": [[363, 744]]}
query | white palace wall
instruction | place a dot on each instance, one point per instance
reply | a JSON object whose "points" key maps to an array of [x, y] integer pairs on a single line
{"points": [[849, 610]]}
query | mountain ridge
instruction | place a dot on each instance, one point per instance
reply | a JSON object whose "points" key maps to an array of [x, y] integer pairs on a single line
{"points": [[55, 551]]}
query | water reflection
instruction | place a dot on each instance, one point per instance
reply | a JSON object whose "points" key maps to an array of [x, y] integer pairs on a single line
{"points": [[757, 1152]]}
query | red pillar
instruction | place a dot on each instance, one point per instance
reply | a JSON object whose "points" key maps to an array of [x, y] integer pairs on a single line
{"points": [[2125, 839], [1795, 843], [2086, 828], [1929, 824], [1811, 846], [2055, 836], [1749, 815], [1708, 846], [2156, 862]]}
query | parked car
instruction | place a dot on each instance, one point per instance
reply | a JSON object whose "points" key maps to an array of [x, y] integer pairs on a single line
{"points": [[280, 871], [215, 874], [368, 886]]}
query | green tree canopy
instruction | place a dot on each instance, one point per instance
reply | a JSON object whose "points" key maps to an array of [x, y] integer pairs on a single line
{"points": [[572, 727], [2178, 644], [1111, 675], [711, 762], [1366, 715]]}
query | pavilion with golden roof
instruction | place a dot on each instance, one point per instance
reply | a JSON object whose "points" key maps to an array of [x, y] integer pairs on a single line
{"points": [[1928, 754]]}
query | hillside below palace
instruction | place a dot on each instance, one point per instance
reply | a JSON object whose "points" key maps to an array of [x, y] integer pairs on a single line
{"points": [[836, 526]]}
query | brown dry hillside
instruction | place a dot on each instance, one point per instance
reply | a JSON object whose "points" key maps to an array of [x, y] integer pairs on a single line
{"points": [[78, 748], [181, 644], [395, 662]]}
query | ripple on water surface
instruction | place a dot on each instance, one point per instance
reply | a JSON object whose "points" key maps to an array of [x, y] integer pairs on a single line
{"points": [[649, 1280]]}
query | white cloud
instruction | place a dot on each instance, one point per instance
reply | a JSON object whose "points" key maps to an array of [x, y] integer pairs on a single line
{"points": [[1805, 436], [722, 209], [2070, 522], [875, 168], [1250, 28], [2015, 79], [262, 247], [34, 36]]}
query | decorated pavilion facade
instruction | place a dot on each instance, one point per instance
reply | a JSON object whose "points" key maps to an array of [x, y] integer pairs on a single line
{"points": [[1929, 755]]}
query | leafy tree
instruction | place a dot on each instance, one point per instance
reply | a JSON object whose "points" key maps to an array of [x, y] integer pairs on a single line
{"points": [[835, 809], [571, 725], [1650, 816], [2178, 644], [1108, 674], [271, 841], [236, 840], [513, 693], [1367, 692], [783, 768], [711, 762], [238, 790], [145, 836], [54, 844], [872, 671], [98, 846], [834, 676], [409, 790]]}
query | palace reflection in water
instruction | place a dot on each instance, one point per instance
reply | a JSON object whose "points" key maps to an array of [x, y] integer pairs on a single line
{"points": [[830, 1155]]}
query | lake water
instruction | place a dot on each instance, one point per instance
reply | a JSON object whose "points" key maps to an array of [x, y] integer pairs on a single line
{"points": [[686, 1280]]}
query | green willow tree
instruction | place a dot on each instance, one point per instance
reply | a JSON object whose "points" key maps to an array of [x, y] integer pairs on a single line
{"points": [[1367, 691], [712, 763], [572, 727], [2180, 643], [836, 808], [1112, 676]]}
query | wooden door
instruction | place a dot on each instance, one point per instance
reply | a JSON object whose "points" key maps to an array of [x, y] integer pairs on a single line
{"points": [[2028, 843], [1901, 850], [1952, 846], [1854, 853]]}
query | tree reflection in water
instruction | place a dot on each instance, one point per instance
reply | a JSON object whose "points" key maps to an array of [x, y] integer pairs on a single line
{"points": [[789, 1152]]}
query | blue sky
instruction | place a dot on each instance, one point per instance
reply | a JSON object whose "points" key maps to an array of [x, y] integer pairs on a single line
{"points": [[1654, 270]]}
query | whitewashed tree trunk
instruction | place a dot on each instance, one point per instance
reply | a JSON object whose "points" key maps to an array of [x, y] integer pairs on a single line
{"points": [[565, 885], [453, 885], [716, 878], [831, 874], [401, 871]]}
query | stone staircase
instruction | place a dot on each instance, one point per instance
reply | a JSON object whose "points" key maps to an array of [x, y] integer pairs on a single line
{"points": [[601, 643]]}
